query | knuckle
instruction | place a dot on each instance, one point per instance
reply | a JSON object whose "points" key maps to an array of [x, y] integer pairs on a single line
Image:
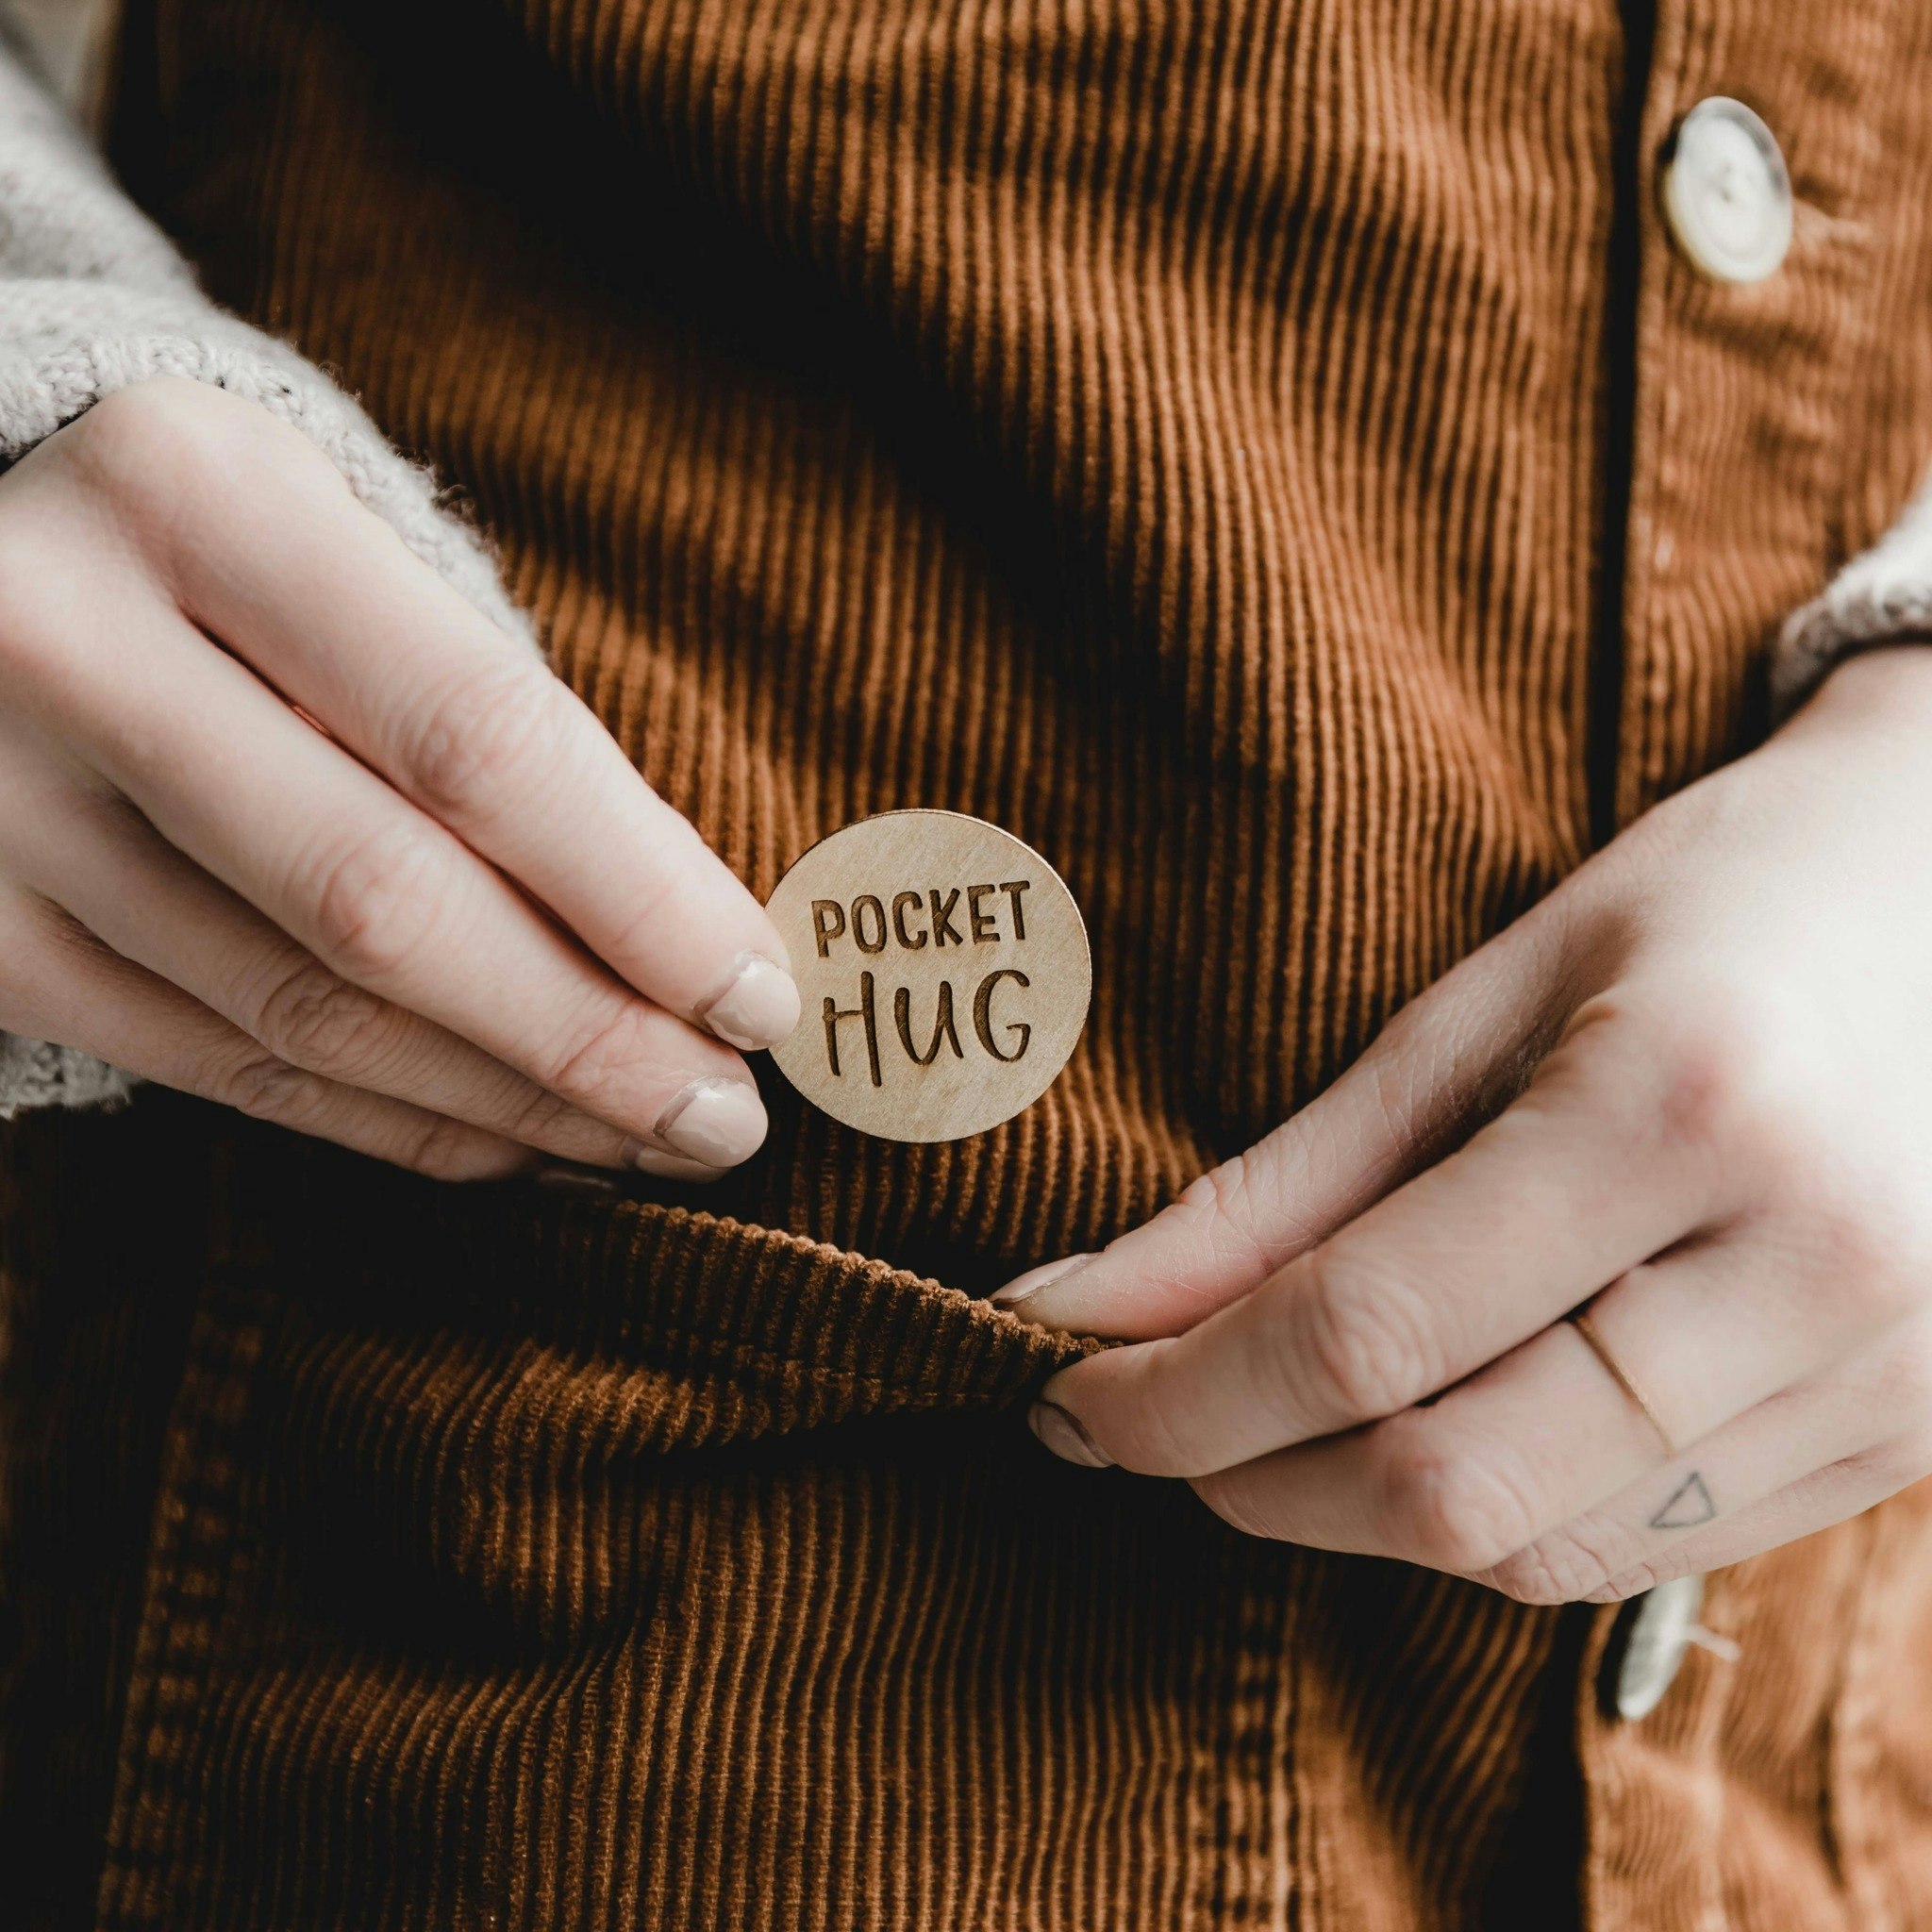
{"points": [[1236, 1195], [316, 1019], [142, 419], [1705, 1060], [266, 1088], [444, 1150], [601, 1064], [535, 1116], [375, 900], [1557, 1568], [1732, 1085], [1222, 1191], [169, 454], [1354, 1343], [654, 899], [1718, 1087], [1643, 1573], [1449, 1507], [1221, 1215], [142, 446], [496, 722]]}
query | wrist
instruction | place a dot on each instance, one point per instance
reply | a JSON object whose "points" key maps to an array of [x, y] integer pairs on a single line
{"points": [[1888, 685]]}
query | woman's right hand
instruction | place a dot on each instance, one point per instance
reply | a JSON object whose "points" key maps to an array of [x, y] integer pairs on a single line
{"points": [[452, 928]]}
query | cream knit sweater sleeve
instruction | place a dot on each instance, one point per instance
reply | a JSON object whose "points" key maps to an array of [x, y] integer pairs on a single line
{"points": [[93, 299], [1881, 597]]}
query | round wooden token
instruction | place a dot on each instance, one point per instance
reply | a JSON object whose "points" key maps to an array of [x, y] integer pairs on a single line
{"points": [[944, 973]]}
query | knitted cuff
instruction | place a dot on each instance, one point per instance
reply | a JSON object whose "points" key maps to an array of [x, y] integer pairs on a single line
{"points": [[35, 1072], [65, 345], [1883, 597]]}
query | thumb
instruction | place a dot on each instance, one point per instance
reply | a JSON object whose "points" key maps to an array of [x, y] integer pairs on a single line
{"points": [[1449, 1061]]}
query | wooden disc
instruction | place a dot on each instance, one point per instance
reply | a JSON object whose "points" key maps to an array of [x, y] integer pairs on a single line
{"points": [[944, 973]]}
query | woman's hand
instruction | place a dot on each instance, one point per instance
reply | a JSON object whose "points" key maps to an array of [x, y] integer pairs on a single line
{"points": [[1694, 1083], [450, 926]]}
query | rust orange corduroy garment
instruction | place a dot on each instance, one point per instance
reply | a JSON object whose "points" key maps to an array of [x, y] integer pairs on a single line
{"points": [[1267, 456]]}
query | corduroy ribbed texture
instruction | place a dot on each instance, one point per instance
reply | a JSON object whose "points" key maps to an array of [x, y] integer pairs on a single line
{"points": [[1268, 456], [881, 407]]}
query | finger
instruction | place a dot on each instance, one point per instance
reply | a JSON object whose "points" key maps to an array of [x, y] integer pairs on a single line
{"points": [[1596, 1167], [89, 851], [1811, 1456], [1447, 1061], [386, 897], [64, 985], [1817, 1501], [1401, 1501], [1540, 1437], [1546, 1434], [325, 602]]}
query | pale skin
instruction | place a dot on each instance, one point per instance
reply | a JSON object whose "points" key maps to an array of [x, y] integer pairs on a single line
{"points": [[1692, 1092], [286, 824]]}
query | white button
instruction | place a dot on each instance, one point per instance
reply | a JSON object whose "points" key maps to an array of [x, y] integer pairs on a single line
{"points": [[1726, 194], [1663, 1628]]}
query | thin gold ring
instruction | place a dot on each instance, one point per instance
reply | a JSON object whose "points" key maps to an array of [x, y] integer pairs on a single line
{"points": [[1600, 1348]]}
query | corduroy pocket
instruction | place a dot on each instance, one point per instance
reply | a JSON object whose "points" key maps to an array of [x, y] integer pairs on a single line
{"points": [[528, 1560]]}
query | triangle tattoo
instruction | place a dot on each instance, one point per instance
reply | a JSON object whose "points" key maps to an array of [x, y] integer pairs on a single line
{"points": [[1689, 1505]]}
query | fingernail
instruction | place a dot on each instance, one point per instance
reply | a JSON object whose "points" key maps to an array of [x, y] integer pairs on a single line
{"points": [[757, 1007], [582, 1180], [1024, 1287], [668, 1166], [1065, 1434], [717, 1122]]}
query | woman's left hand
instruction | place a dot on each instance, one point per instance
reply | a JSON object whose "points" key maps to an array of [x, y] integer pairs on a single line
{"points": [[1692, 1090]]}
